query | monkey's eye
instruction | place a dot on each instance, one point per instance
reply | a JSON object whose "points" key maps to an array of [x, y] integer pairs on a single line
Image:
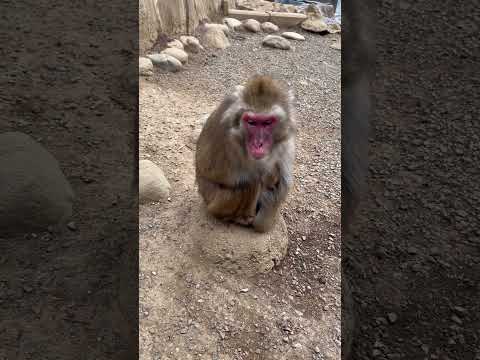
{"points": [[250, 122], [268, 122]]}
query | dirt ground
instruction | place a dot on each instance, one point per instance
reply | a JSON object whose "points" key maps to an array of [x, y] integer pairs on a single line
{"points": [[190, 309]]}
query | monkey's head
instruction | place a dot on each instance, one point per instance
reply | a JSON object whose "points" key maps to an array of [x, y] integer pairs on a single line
{"points": [[263, 115]]}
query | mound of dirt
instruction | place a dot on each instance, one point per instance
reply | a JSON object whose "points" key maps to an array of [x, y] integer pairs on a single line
{"points": [[235, 248]]}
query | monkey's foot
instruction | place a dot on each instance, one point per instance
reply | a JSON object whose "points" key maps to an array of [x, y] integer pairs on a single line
{"points": [[245, 220]]}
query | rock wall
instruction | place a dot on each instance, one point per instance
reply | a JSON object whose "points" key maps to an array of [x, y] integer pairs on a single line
{"points": [[174, 17]]}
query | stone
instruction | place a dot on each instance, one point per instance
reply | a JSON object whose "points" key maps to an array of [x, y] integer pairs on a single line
{"points": [[275, 41], [232, 23], [269, 27], [153, 185], [291, 8], [333, 27], [235, 248], [145, 66], [35, 194], [326, 10], [165, 62], [178, 54], [222, 27], [293, 36], [315, 21], [191, 44], [337, 45], [251, 25], [175, 44], [214, 38]]}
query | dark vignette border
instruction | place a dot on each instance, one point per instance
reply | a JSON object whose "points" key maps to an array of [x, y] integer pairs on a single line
{"points": [[410, 253], [69, 79]]}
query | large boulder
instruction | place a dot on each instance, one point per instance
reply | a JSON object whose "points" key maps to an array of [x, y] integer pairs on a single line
{"points": [[251, 25], [165, 62], [35, 193], [145, 66], [191, 44], [213, 37], [222, 27], [153, 185], [269, 27], [315, 21], [277, 42], [233, 24], [235, 248], [175, 44], [178, 54]]}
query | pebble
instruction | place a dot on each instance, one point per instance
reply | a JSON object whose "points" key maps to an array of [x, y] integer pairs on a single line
{"points": [[392, 317], [244, 290], [293, 36], [71, 225], [456, 319]]}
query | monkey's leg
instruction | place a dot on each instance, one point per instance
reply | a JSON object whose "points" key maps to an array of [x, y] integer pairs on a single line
{"points": [[229, 204]]}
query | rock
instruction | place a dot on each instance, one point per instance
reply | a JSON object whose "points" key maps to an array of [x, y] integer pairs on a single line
{"points": [[153, 185], [145, 66], [222, 27], [191, 44], [175, 44], [166, 62], [269, 27], [314, 22], [337, 45], [332, 26], [251, 25], [35, 194], [232, 23], [275, 41], [293, 36], [235, 248], [392, 317], [326, 10], [290, 8], [178, 54], [214, 38]]}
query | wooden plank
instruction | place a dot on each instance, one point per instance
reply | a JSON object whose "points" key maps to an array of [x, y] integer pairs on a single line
{"points": [[225, 7], [245, 14], [286, 20], [279, 18]]}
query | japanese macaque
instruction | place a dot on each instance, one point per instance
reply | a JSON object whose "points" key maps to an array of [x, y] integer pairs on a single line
{"points": [[245, 154]]}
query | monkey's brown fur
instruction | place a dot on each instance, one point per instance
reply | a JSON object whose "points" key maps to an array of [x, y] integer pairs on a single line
{"points": [[234, 186]]}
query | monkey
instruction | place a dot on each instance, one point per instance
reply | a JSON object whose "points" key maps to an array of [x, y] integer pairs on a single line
{"points": [[245, 153]]}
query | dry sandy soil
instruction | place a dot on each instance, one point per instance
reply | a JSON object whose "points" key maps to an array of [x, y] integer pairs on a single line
{"points": [[190, 309]]}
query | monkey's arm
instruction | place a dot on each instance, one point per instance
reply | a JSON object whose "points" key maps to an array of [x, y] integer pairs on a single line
{"points": [[229, 203], [274, 192]]}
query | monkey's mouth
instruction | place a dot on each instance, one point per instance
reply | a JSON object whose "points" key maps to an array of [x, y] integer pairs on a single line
{"points": [[258, 151]]}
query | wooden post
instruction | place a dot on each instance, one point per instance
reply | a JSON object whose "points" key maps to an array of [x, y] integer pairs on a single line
{"points": [[225, 6]]}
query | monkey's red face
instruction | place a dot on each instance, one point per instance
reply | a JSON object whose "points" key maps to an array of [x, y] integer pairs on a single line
{"points": [[259, 133]]}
